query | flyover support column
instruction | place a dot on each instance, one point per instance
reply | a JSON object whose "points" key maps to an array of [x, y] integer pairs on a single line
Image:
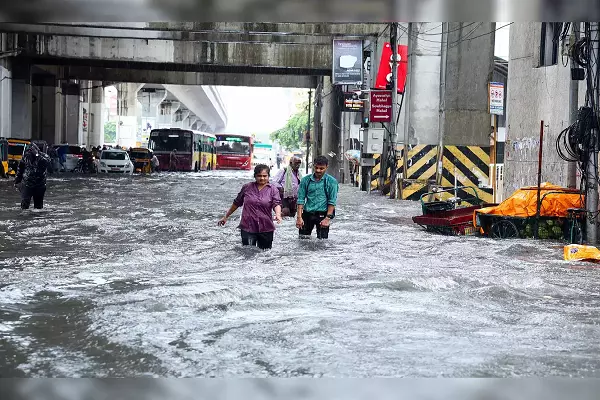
{"points": [[5, 90], [127, 111], [71, 95], [96, 136], [166, 118], [21, 107], [150, 100], [331, 119], [84, 111]]}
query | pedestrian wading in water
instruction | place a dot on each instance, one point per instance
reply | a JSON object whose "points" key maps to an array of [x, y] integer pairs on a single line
{"points": [[317, 197], [32, 172], [287, 181], [259, 199]]}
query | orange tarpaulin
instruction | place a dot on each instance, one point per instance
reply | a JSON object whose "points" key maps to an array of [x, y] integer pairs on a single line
{"points": [[523, 202]]}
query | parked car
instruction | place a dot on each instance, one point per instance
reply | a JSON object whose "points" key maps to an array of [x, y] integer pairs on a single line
{"points": [[114, 161], [74, 153]]}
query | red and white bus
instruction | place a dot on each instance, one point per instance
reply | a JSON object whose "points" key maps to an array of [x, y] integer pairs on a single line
{"points": [[194, 150], [234, 151]]}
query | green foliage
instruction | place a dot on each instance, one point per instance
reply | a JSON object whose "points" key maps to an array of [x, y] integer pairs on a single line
{"points": [[110, 132], [291, 136]]}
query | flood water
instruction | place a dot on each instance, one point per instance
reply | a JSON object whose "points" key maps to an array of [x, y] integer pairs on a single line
{"points": [[132, 277]]}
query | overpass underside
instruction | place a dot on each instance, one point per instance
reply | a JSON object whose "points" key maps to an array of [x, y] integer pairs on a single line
{"points": [[178, 74]]}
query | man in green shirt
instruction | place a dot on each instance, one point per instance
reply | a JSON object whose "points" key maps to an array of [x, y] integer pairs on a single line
{"points": [[317, 197]]}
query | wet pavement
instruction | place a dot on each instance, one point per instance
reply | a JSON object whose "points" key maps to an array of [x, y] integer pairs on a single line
{"points": [[132, 277]]}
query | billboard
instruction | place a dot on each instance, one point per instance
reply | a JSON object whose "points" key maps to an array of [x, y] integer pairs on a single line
{"points": [[347, 63], [384, 74]]}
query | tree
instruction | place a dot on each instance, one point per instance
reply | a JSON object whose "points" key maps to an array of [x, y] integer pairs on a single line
{"points": [[291, 136], [110, 132]]}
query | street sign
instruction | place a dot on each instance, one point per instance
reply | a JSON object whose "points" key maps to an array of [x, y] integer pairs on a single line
{"points": [[381, 106], [347, 63], [353, 103], [496, 98], [384, 74]]}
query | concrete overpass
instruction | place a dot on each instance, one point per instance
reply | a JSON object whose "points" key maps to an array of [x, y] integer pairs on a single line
{"points": [[232, 54]]}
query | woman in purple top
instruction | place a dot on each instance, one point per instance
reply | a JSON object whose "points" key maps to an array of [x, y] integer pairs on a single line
{"points": [[259, 199]]}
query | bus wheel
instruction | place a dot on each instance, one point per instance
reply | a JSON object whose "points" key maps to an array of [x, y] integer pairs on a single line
{"points": [[196, 167]]}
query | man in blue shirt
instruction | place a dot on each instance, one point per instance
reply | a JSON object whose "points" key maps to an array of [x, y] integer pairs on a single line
{"points": [[317, 197]]}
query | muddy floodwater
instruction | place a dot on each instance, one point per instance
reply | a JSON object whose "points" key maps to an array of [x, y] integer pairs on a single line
{"points": [[132, 277]]}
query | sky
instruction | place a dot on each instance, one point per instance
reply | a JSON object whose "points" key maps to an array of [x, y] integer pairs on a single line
{"points": [[502, 40], [263, 110]]}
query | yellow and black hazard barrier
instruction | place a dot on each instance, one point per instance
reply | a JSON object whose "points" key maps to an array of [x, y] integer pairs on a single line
{"points": [[375, 171], [422, 166], [467, 166], [461, 166]]}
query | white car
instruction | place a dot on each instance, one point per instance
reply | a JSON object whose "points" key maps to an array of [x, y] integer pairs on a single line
{"points": [[114, 161]]}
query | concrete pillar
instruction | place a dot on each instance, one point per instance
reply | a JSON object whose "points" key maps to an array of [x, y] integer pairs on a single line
{"points": [[59, 111], [166, 115], [70, 90], [422, 102], [43, 107], [5, 91], [84, 111], [150, 99], [128, 112], [96, 124], [331, 134], [182, 117], [469, 69], [21, 101], [193, 120]]}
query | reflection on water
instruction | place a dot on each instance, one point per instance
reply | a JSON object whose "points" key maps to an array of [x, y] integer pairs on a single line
{"points": [[131, 276]]}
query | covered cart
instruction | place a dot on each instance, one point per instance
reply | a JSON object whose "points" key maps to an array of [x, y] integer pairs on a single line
{"points": [[449, 211], [561, 215]]}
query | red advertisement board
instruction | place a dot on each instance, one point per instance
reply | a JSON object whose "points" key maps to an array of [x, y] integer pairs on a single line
{"points": [[384, 74], [381, 106]]}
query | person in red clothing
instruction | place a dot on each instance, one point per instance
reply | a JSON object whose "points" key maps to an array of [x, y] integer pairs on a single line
{"points": [[259, 199]]}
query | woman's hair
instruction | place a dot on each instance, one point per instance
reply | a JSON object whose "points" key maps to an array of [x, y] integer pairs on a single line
{"points": [[260, 168]]}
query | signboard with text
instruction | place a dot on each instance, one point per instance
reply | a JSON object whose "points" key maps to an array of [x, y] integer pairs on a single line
{"points": [[384, 74], [347, 66], [381, 106], [496, 94], [353, 103]]}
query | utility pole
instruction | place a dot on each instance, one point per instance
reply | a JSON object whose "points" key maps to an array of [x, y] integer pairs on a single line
{"points": [[411, 45], [393, 125], [308, 130], [592, 167], [573, 108]]}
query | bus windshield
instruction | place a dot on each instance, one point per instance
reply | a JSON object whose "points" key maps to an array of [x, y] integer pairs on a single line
{"points": [[167, 140], [232, 145]]}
